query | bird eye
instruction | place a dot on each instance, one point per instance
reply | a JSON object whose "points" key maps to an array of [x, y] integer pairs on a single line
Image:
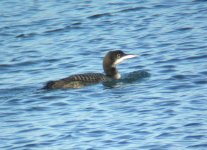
{"points": [[118, 56]]}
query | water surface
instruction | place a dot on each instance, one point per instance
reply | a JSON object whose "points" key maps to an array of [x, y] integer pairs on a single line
{"points": [[41, 41]]}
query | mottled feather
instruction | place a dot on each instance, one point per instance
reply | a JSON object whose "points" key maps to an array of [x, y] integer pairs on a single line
{"points": [[77, 81]]}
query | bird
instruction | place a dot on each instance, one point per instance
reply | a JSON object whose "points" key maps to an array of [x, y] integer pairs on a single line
{"points": [[110, 61]]}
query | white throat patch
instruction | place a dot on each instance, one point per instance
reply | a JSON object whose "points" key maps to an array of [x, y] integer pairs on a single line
{"points": [[117, 76]]}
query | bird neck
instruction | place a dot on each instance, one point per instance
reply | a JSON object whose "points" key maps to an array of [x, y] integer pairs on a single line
{"points": [[111, 70]]}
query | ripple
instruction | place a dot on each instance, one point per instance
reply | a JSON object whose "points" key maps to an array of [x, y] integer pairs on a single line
{"points": [[195, 137], [199, 0], [167, 103], [29, 130], [133, 9], [37, 108], [185, 77], [203, 72], [173, 60], [193, 125], [156, 146], [97, 133], [200, 81], [96, 16], [26, 35], [179, 77], [124, 137], [143, 133], [197, 57], [164, 135], [59, 104], [198, 146], [181, 87], [66, 28], [185, 29], [169, 66]]}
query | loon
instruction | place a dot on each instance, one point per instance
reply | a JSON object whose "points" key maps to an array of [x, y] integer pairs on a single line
{"points": [[110, 61]]}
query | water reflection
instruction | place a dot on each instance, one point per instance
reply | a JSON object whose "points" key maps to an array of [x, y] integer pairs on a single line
{"points": [[132, 77]]}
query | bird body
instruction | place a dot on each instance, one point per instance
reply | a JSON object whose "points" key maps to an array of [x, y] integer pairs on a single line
{"points": [[110, 61], [77, 81]]}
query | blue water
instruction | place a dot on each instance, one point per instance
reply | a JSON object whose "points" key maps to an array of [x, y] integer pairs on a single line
{"points": [[48, 40]]}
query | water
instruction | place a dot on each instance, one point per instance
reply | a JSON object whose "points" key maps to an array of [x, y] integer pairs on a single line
{"points": [[41, 41]]}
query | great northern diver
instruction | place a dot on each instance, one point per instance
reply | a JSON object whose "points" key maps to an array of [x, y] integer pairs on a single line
{"points": [[110, 61]]}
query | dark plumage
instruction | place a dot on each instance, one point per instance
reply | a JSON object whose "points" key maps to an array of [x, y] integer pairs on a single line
{"points": [[110, 61]]}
